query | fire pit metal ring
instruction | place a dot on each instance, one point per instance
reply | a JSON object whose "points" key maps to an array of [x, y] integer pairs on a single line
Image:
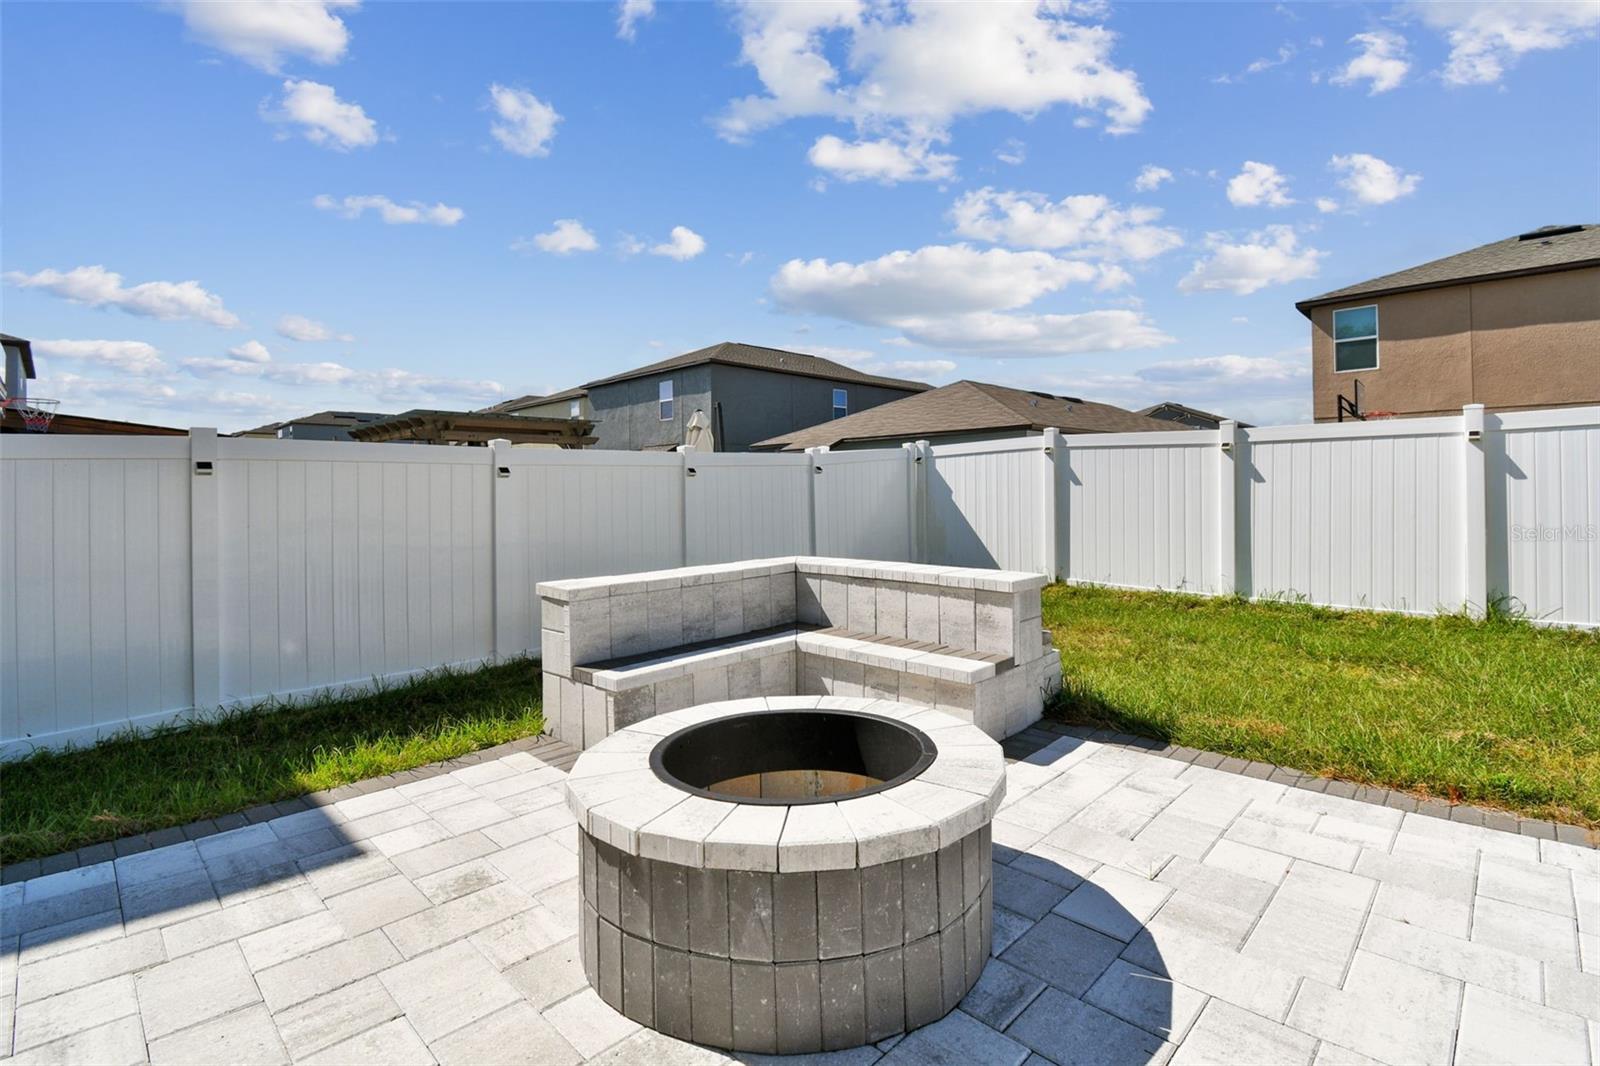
{"points": [[790, 874]]}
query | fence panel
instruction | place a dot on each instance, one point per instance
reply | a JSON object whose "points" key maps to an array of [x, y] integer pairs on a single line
{"points": [[985, 506], [1545, 470], [562, 514], [1140, 510], [94, 561], [341, 562], [863, 504], [1364, 515], [739, 506]]}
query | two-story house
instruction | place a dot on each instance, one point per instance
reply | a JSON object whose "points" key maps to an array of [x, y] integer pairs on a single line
{"points": [[1513, 324], [747, 392]]}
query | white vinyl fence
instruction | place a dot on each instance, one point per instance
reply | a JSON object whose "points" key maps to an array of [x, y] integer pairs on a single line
{"points": [[143, 578]]}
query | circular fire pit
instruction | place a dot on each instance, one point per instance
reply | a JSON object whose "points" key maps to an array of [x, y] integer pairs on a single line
{"points": [[785, 875]]}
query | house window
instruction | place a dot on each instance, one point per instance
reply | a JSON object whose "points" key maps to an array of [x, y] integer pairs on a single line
{"points": [[841, 403], [665, 401], [1355, 339], [575, 410]]}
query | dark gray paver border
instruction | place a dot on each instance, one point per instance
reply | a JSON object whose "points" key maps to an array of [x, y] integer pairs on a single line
{"points": [[1046, 731], [549, 749], [1020, 746]]}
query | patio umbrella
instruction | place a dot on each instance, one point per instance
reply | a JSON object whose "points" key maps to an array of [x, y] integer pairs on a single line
{"points": [[697, 435]]}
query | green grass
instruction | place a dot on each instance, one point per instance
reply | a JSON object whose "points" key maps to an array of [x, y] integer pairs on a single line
{"points": [[1499, 712], [55, 801]]}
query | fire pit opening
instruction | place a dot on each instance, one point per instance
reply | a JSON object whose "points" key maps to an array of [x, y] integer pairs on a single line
{"points": [[792, 757]]}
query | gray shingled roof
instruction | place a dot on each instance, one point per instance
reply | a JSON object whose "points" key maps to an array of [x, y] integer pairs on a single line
{"points": [[732, 353], [533, 398], [1541, 251], [970, 407]]}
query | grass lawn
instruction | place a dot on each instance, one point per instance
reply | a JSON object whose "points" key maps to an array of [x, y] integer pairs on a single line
{"points": [[53, 802], [1498, 713]]}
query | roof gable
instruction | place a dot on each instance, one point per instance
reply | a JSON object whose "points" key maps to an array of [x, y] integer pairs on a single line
{"points": [[755, 357]]}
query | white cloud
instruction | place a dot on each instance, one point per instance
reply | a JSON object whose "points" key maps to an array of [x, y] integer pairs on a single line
{"points": [[1285, 53], [1383, 62], [883, 160], [411, 213], [684, 243], [632, 12], [1489, 36], [264, 33], [1151, 177], [568, 236], [130, 357], [1090, 225], [1259, 389], [920, 369], [76, 391], [250, 352], [1012, 153], [301, 328], [1372, 181], [323, 118], [1259, 184], [1326, 205], [1271, 256], [910, 70], [525, 124], [953, 296], [98, 287], [335, 380]]}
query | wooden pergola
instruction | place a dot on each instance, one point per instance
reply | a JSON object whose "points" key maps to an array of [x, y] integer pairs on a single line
{"points": [[477, 427]]}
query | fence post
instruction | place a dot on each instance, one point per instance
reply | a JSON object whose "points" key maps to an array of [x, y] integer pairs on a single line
{"points": [[1475, 513], [685, 456], [923, 473], [813, 471], [1047, 495], [912, 503], [205, 575], [499, 512], [1228, 446]]}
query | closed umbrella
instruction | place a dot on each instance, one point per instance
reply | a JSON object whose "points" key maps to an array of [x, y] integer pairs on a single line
{"points": [[697, 435]]}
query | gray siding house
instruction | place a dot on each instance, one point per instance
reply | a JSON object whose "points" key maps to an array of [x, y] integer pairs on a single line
{"points": [[748, 392]]}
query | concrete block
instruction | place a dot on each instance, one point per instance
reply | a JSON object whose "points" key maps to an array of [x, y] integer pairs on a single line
{"points": [[884, 973], [755, 1003], [664, 618], [882, 907], [673, 694], [783, 598], [711, 1001], [672, 1004], [794, 917], [957, 618], [638, 980], [554, 653], [1064, 954], [838, 913], [727, 609], [835, 601], [598, 714], [750, 915], [1001, 994], [799, 990], [844, 1016], [630, 624], [708, 912], [881, 683], [920, 886], [552, 615], [861, 607], [924, 982], [777, 674], [808, 600], [627, 707], [917, 688], [699, 615], [890, 609], [922, 613], [756, 596], [994, 622]]}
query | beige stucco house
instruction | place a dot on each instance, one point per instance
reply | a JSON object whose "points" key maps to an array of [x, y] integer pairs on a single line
{"points": [[1513, 324]]}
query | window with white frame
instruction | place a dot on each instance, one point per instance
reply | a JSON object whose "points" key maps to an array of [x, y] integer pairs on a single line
{"points": [[664, 401], [576, 409], [1355, 339], [841, 403]]}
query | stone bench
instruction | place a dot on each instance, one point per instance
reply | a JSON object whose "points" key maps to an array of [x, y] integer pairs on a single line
{"points": [[620, 649]]}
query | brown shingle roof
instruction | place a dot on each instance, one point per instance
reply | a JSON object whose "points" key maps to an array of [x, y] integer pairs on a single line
{"points": [[534, 399], [732, 353], [1541, 251], [970, 407]]}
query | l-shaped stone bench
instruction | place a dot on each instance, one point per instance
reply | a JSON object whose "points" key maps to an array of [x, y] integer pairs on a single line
{"points": [[623, 648]]}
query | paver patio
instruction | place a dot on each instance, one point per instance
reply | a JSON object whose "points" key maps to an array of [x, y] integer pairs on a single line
{"points": [[1147, 910]]}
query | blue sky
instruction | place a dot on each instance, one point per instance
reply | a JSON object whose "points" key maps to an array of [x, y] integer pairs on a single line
{"points": [[226, 214]]}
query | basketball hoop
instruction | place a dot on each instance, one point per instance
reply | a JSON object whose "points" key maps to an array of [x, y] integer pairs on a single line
{"points": [[35, 412]]}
